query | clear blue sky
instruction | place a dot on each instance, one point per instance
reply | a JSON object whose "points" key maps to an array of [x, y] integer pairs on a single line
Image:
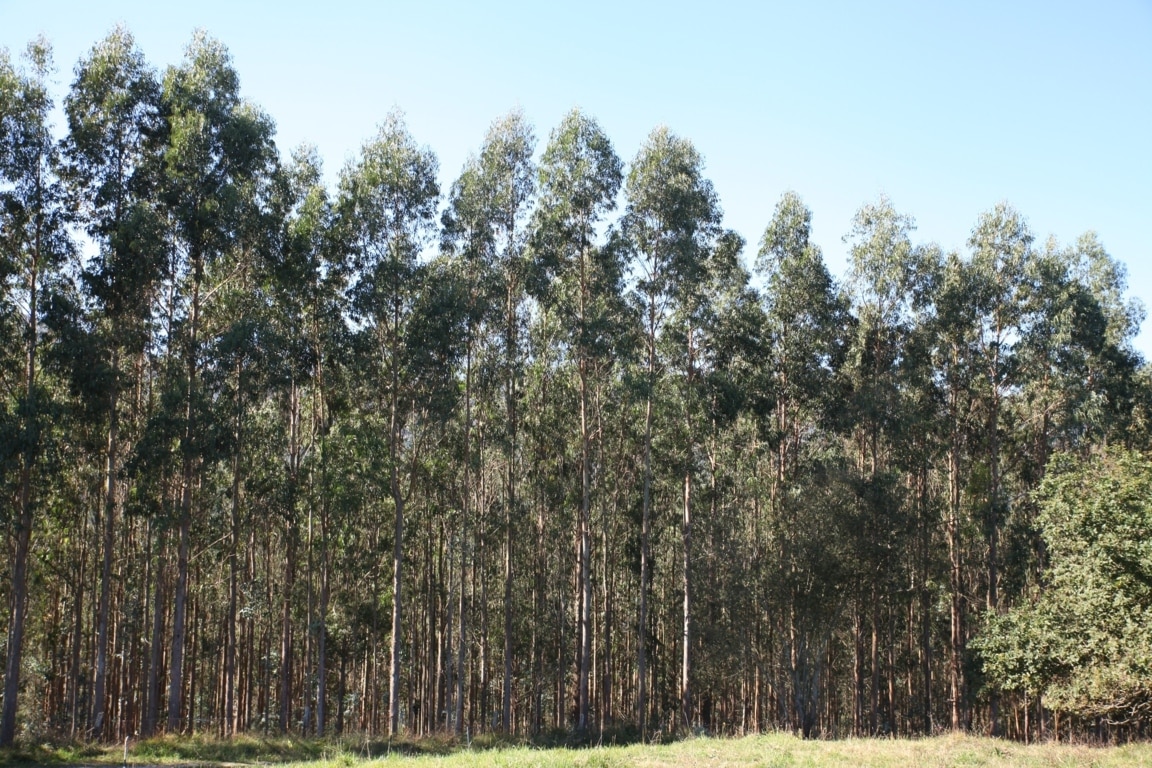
{"points": [[947, 108]]}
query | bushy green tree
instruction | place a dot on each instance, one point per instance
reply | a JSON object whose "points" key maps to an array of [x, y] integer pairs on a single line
{"points": [[1084, 642]]}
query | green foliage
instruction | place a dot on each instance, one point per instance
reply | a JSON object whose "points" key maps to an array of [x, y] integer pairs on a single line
{"points": [[621, 491], [806, 319], [1085, 641]]}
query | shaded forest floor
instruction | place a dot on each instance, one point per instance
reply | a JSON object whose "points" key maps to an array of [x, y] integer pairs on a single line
{"points": [[773, 750]]}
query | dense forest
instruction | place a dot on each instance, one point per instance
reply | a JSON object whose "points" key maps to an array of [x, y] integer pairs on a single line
{"points": [[548, 451]]}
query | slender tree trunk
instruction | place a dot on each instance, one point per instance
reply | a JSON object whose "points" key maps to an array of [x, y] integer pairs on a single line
{"points": [[286, 629], [925, 602], [397, 594], [322, 638], [585, 617], [176, 663], [77, 640], [512, 345], [606, 687], [392, 329], [17, 613], [874, 666], [956, 637], [176, 669], [506, 703], [686, 534], [325, 563], [645, 533], [485, 638], [462, 641], [686, 634], [462, 633], [19, 594], [101, 672], [309, 630], [156, 654], [538, 615], [994, 514], [233, 567]]}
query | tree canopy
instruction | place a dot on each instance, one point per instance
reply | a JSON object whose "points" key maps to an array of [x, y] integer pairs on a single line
{"points": [[544, 450]]}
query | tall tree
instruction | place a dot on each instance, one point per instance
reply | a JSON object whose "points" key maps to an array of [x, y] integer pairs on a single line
{"points": [[885, 281], [807, 323], [580, 175], [389, 198], [672, 220], [34, 244], [217, 144], [306, 283], [111, 154], [485, 225], [954, 327], [1001, 245]]}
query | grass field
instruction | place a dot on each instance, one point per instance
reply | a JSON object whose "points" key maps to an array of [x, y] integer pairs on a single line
{"points": [[773, 750]]}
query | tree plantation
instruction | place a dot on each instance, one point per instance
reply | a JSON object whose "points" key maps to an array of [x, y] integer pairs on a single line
{"points": [[549, 450]]}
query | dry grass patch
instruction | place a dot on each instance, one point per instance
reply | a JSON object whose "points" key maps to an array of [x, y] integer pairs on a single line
{"points": [[774, 751], [779, 751]]}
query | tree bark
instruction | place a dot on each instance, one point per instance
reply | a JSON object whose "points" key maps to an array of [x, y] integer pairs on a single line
{"points": [[176, 670], [30, 439], [584, 538], [286, 628], [101, 672], [233, 568]]}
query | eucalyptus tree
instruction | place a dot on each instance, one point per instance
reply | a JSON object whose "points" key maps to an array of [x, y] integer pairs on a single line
{"points": [[807, 325], [485, 226], [306, 281], [886, 280], [242, 365], [1113, 363], [580, 176], [467, 236], [725, 321], [954, 329], [1001, 244], [548, 471], [898, 444], [217, 145], [919, 450], [235, 361], [672, 221], [698, 349], [1076, 364], [388, 200], [111, 155], [34, 245]]}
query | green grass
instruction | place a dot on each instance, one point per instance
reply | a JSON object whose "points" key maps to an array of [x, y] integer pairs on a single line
{"points": [[774, 751], [67, 753]]}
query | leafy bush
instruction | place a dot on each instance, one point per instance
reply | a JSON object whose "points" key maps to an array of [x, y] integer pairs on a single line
{"points": [[1085, 640]]}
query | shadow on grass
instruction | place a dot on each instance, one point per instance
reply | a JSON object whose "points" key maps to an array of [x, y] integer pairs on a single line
{"points": [[239, 749], [63, 753], [246, 748]]}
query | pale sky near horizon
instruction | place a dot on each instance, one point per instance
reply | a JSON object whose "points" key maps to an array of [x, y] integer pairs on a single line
{"points": [[948, 108]]}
